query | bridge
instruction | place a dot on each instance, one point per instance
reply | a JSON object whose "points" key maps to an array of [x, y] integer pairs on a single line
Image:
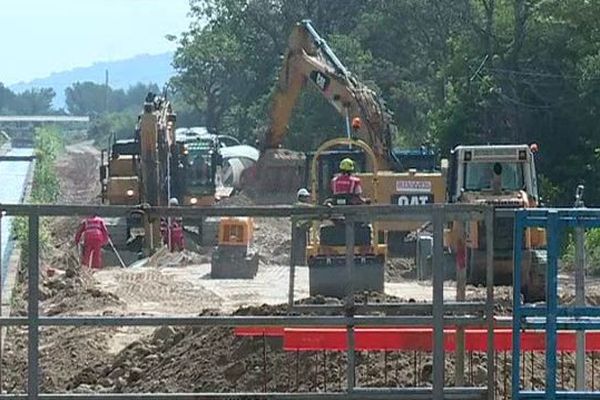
{"points": [[20, 128]]}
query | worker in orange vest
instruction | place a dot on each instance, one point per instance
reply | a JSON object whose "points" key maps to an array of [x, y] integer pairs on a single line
{"points": [[95, 236], [346, 183]]}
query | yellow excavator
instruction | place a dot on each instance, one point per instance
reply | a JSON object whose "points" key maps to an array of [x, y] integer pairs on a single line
{"points": [[138, 171], [309, 59]]}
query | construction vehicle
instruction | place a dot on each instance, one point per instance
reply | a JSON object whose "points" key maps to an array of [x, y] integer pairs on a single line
{"points": [[503, 176], [309, 59], [198, 162], [234, 258], [326, 250], [138, 171]]}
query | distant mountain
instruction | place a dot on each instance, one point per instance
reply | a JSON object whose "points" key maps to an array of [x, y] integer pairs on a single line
{"points": [[143, 68]]}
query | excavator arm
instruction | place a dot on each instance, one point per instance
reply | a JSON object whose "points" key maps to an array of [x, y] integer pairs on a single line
{"points": [[309, 59]]}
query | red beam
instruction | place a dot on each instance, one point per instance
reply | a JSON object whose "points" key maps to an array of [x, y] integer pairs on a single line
{"points": [[403, 339], [259, 331]]}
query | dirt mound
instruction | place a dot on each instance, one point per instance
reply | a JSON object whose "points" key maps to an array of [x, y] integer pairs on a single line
{"points": [[62, 350], [214, 359], [399, 269]]}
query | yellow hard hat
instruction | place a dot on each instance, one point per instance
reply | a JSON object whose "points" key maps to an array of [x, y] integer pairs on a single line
{"points": [[347, 165]]}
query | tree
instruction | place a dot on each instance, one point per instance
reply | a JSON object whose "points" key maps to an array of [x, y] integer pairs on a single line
{"points": [[85, 98], [463, 71], [34, 102]]}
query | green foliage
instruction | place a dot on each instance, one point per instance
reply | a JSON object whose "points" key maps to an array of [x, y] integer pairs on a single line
{"points": [[29, 102], [46, 186], [592, 252], [120, 125], [89, 98], [113, 111], [48, 144]]}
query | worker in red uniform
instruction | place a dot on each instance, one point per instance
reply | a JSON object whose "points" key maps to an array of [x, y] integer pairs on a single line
{"points": [[345, 183], [172, 233], [95, 236]]}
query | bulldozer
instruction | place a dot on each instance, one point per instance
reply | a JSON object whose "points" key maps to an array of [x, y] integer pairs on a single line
{"points": [[504, 177], [279, 172], [326, 249], [233, 258]]}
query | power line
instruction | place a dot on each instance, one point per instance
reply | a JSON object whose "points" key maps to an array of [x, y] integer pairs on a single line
{"points": [[537, 74]]}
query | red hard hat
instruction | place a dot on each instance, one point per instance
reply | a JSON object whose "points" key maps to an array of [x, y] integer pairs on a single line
{"points": [[356, 123]]}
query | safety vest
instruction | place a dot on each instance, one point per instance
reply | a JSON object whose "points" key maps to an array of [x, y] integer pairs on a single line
{"points": [[346, 184], [93, 224]]}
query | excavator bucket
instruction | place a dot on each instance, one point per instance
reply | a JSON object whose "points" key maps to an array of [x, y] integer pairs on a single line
{"points": [[278, 175], [328, 276]]}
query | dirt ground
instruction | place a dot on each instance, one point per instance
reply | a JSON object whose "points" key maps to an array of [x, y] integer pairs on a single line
{"points": [[171, 359]]}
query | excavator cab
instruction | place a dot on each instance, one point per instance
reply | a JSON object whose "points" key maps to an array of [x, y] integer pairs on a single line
{"points": [[326, 251], [327, 166]]}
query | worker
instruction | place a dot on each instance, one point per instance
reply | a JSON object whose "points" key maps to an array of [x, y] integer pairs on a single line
{"points": [[301, 228], [95, 236], [172, 233], [303, 197], [345, 183]]}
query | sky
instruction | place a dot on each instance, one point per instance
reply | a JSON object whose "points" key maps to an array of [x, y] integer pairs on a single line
{"points": [[39, 37]]}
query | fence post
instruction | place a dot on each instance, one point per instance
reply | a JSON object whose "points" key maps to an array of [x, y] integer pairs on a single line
{"points": [[33, 309], [438, 304], [580, 293], [516, 333], [580, 301], [552, 302], [292, 265], [489, 303], [351, 378], [461, 283]]}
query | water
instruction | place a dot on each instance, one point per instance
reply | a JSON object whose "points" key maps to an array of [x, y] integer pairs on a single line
{"points": [[13, 175]]}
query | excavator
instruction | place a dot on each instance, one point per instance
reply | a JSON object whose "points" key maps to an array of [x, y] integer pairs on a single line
{"points": [[139, 171], [309, 59]]}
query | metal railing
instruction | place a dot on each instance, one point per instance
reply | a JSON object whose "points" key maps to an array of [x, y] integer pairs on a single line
{"points": [[553, 317], [437, 313]]}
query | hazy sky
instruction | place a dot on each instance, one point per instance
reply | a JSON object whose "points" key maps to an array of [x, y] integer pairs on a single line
{"points": [[38, 37]]}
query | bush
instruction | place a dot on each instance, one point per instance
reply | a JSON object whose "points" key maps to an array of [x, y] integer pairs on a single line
{"points": [[46, 186], [592, 252]]}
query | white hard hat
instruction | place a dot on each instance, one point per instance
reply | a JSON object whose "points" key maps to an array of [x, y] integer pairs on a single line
{"points": [[173, 201], [303, 193]]}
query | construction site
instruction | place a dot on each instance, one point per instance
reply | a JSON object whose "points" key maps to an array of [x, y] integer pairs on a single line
{"points": [[237, 271]]}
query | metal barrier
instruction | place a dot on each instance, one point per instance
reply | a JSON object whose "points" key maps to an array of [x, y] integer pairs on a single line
{"points": [[436, 314], [552, 317]]}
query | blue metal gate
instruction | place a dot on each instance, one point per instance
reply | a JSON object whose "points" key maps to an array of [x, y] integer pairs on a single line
{"points": [[550, 317]]}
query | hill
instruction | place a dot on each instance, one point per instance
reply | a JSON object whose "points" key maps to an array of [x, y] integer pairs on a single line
{"points": [[143, 68]]}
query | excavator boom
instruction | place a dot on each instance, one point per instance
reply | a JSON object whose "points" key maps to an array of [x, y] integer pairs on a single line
{"points": [[308, 58]]}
